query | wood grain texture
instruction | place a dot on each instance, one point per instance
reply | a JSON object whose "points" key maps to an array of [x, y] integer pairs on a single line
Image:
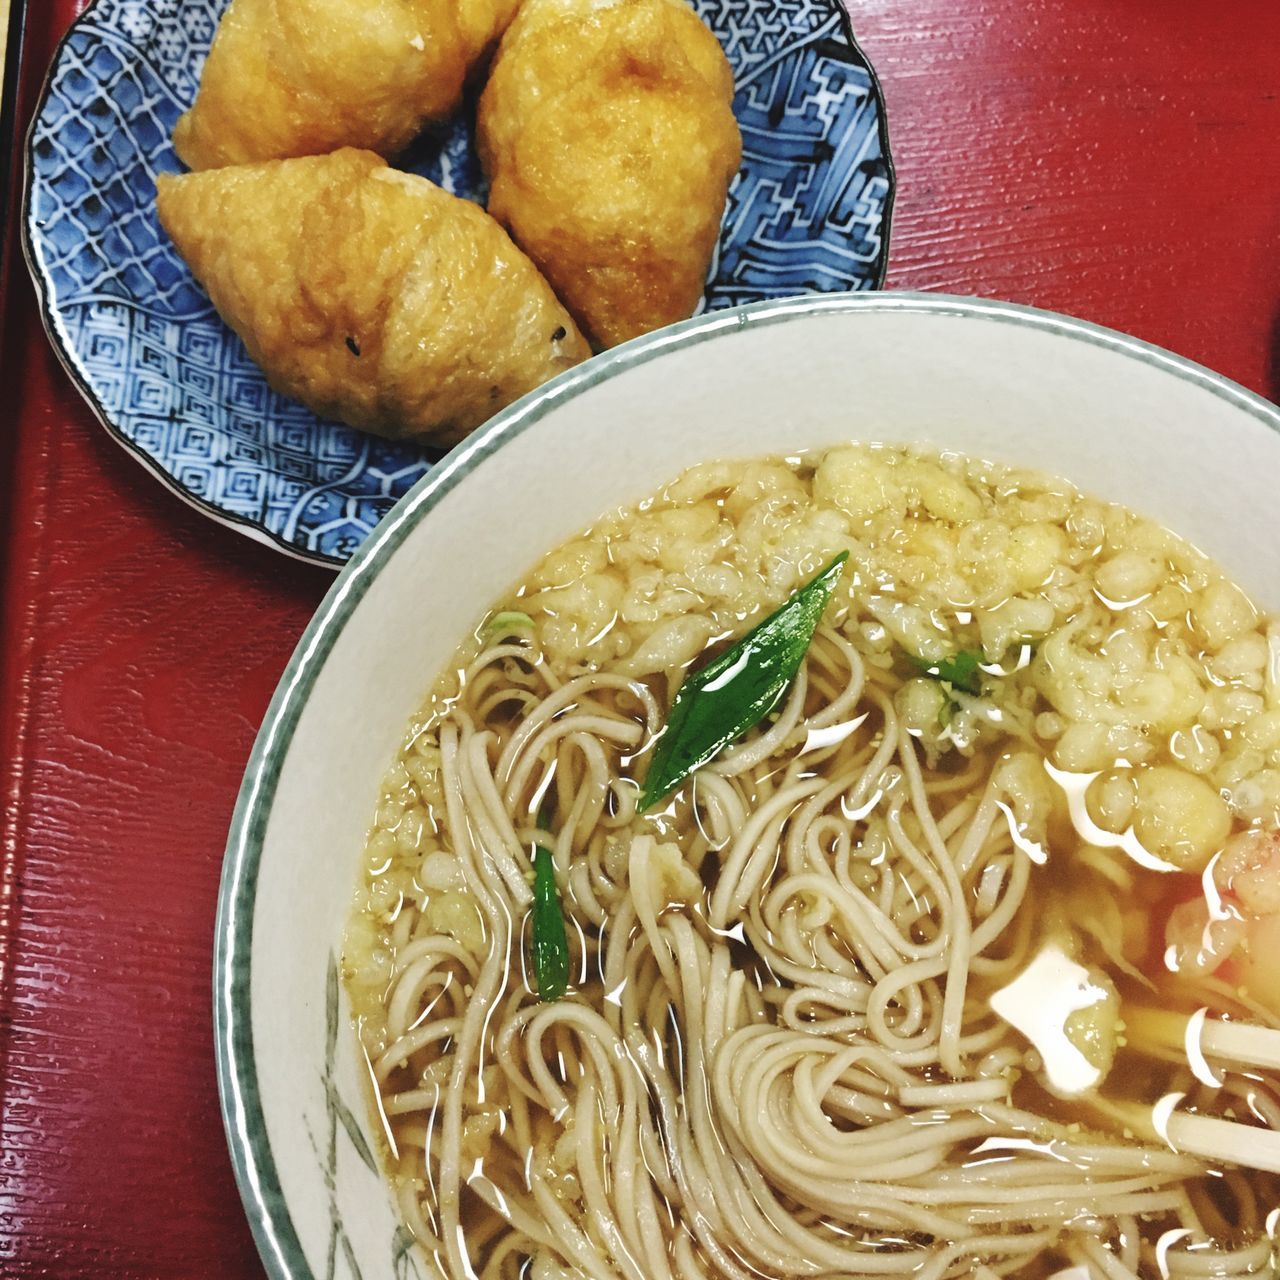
{"points": [[1106, 158], [1114, 159]]}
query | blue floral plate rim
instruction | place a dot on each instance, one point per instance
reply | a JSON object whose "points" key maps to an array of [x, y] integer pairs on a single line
{"points": [[253, 529]]}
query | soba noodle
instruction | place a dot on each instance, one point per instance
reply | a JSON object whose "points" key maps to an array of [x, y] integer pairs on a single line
{"points": [[779, 1055]]}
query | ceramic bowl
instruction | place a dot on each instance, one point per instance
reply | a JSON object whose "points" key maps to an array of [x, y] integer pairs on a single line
{"points": [[808, 213], [1122, 419]]}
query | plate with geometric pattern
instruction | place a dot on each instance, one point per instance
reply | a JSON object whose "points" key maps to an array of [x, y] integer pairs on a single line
{"points": [[809, 212]]}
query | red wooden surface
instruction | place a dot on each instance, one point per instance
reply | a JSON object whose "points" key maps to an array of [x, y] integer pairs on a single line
{"points": [[1115, 159]]}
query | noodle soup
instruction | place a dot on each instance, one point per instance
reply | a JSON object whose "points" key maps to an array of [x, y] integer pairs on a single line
{"points": [[899, 982]]}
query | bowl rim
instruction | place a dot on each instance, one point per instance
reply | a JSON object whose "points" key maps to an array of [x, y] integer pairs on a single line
{"points": [[52, 319], [241, 1104]]}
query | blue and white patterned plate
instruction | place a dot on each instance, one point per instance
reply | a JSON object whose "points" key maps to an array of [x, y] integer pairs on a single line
{"points": [[809, 213]]}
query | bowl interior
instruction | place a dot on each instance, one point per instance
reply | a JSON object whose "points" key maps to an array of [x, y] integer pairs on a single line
{"points": [[1122, 420]]}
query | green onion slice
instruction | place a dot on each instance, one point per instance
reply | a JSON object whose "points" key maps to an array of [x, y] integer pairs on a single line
{"points": [[717, 705]]}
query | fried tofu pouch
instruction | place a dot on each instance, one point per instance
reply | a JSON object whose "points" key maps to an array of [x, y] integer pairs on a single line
{"points": [[302, 77], [608, 134], [370, 295]]}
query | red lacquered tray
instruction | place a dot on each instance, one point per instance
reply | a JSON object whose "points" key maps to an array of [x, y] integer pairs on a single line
{"points": [[1112, 160]]}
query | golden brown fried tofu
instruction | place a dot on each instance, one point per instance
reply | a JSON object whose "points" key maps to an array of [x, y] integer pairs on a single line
{"points": [[371, 295], [302, 77], [608, 134]]}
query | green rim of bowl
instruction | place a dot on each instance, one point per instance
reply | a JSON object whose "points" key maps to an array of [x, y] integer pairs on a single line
{"points": [[242, 1114]]}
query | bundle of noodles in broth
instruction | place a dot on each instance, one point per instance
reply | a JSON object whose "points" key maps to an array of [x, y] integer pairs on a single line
{"points": [[887, 987]]}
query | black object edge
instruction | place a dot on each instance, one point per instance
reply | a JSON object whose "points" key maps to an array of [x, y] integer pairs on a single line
{"points": [[10, 146]]}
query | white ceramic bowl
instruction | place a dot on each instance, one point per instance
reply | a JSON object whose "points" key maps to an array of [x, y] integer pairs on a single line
{"points": [[1120, 418]]}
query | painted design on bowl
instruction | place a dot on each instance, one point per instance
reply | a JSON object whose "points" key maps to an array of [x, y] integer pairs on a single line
{"points": [[809, 213], [339, 1116]]}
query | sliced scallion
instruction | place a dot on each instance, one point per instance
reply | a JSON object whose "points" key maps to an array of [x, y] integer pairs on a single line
{"points": [[961, 671], [718, 704]]}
